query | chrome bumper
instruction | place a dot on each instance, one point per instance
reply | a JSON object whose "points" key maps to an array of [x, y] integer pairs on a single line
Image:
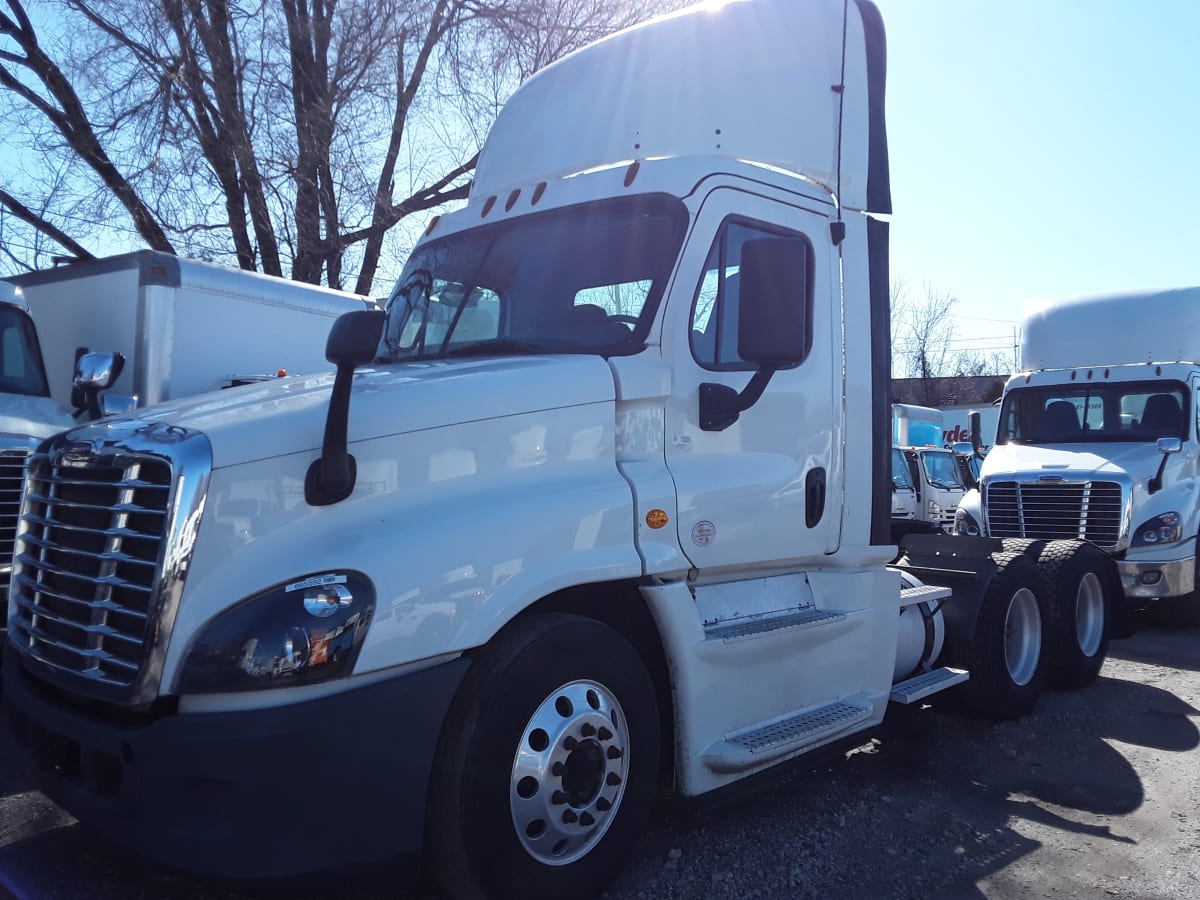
{"points": [[1150, 580]]}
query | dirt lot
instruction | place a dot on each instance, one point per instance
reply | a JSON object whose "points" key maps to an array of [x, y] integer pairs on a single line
{"points": [[1096, 794]]}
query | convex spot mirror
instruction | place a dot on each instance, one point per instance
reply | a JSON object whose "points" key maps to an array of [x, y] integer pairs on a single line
{"points": [[354, 338]]}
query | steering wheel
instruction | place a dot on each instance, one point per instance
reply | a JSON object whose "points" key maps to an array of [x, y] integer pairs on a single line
{"points": [[631, 321]]}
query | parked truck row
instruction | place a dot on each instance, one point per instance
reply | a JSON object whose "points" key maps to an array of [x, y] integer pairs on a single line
{"points": [[575, 519]]}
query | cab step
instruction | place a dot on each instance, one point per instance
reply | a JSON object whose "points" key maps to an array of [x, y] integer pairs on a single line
{"points": [[921, 686], [744, 629], [764, 743], [926, 593]]}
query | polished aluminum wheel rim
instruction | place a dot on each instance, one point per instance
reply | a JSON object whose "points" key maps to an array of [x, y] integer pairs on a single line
{"points": [[1022, 637], [1089, 614], [569, 772]]}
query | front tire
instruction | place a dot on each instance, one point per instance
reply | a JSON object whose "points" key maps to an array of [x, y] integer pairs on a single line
{"points": [[1080, 582], [1006, 652], [547, 767]]}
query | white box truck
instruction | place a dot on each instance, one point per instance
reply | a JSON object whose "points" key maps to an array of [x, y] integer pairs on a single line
{"points": [[918, 432], [577, 516], [182, 326], [1097, 439]]}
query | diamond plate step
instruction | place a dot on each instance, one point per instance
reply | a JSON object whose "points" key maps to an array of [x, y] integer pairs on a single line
{"points": [[750, 628], [921, 686], [763, 743], [926, 593]]}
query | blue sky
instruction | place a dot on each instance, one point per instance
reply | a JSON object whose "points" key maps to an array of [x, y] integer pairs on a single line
{"points": [[1042, 148]]}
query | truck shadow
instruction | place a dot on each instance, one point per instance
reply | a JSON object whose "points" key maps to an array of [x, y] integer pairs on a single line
{"points": [[1161, 645], [930, 806]]}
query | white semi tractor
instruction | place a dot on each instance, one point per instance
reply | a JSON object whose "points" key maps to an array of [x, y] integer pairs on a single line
{"points": [[1097, 440], [576, 518]]}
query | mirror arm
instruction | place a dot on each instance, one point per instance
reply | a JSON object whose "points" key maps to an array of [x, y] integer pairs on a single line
{"points": [[720, 405], [331, 477]]}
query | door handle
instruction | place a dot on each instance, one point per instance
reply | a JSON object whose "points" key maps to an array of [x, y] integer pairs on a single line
{"points": [[814, 496]]}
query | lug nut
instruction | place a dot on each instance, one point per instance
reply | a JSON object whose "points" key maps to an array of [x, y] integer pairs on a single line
{"points": [[570, 743], [557, 770], [558, 798], [603, 804], [569, 816], [588, 730], [614, 752], [613, 779], [586, 819], [604, 734]]}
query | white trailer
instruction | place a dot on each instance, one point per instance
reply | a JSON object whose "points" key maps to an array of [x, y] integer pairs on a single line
{"points": [[184, 326], [1097, 439], [577, 514]]}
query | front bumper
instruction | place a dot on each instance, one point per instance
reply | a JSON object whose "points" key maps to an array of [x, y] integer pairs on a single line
{"points": [[1151, 580], [263, 793]]}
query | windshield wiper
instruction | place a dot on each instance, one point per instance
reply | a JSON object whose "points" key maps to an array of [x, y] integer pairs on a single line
{"points": [[499, 347]]}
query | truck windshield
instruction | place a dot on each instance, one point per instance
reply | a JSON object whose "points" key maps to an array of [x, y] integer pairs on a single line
{"points": [[941, 469], [901, 477], [585, 279], [21, 368], [1112, 411]]}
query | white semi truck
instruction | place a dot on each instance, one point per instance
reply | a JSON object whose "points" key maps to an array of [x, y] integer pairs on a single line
{"points": [[572, 521], [1097, 439], [177, 326]]}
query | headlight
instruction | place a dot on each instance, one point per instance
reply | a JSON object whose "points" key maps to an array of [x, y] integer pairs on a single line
{"points": [[1164, 529], [965, 524], [302, 632]]}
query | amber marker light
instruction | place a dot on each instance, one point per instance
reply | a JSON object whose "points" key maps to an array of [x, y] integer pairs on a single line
{"points": [[656, 518]]}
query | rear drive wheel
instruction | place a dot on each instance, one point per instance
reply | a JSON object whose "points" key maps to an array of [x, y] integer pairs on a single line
{"points": [[1005, 653], [547, 767], [1079, 580]]}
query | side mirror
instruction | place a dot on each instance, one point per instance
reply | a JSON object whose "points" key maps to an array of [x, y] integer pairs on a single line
{"points": [[95, 372], [353, 341], [773, 307], [1166, 446], [116, 404], [773, 317], [98, 371], [963, 448]]}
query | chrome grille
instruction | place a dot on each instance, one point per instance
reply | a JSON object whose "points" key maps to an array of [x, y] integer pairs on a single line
{"points": [[12, 476], [1091, 510], [86, 560]]}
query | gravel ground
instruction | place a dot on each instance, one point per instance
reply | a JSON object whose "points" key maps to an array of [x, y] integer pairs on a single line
{"points": [[1096, 794]]}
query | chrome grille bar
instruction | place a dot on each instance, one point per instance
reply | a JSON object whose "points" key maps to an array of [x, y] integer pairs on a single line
{"points": [[1089, 510]]}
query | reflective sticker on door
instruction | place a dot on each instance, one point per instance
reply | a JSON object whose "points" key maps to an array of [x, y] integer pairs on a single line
{"points": [[704, 533]]}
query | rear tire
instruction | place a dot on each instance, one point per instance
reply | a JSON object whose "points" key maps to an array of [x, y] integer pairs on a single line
{"points": [[548, 764], [1080, 582], [1006, 652]]}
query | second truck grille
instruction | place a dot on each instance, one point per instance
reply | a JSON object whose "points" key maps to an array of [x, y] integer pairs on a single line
{"points": [[84, 583], [1090, 510], [12, 475]]}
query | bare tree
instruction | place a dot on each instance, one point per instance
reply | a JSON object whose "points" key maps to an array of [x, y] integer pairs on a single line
{"points": [[923, 332], [287, 136]]}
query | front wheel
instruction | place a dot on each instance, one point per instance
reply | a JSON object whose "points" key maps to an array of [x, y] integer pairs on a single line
{"points": [[1080, 582], [1005, 652], [547, 767]]}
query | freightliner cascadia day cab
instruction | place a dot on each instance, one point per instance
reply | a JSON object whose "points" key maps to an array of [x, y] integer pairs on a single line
{"points": [[1098, 440], [571, 522], [159, 328]]}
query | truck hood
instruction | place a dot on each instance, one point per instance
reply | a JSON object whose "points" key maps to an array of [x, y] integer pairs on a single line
{"points": [[287, 415], [22, 416], [1137, 460]]}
